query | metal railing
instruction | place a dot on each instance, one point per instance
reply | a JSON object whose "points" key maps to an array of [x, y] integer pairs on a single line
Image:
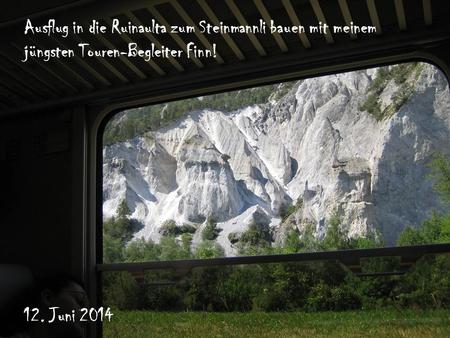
{"points": [[350, 258]]}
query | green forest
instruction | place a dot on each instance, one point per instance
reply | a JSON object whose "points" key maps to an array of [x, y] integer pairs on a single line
{"points": [[314, 286]]}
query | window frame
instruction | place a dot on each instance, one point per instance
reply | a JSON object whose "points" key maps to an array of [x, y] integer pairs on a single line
{"points": [[99, 115]]}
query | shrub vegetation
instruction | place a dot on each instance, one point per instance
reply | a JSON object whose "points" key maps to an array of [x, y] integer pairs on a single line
{"points": [[404, 76]]}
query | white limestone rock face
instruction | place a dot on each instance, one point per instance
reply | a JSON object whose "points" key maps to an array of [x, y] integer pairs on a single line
{"points": [[314, 143], [207, 185], [402, 192]]}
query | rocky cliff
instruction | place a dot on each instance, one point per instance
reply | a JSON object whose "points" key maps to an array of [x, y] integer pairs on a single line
{"points": [[355, 145]]}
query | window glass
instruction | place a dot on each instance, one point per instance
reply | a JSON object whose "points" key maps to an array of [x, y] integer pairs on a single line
{"points": [[351, 160]]}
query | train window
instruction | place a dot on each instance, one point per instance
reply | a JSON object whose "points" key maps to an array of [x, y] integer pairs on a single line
{"points": [[323, 194], [351, 160]]}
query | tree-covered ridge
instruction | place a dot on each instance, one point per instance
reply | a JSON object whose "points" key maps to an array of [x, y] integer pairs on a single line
{"points": [[135, 122]]}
